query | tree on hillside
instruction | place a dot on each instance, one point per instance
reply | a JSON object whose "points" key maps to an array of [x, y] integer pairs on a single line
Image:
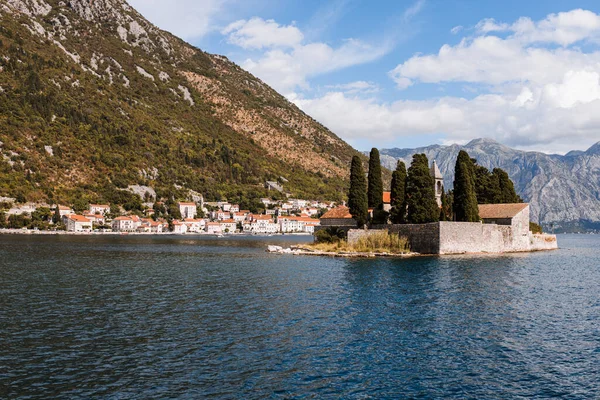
{"points": [[375, 191], [465, 199], [506, 188], [398, 195], [357, 196], [420, 192]]}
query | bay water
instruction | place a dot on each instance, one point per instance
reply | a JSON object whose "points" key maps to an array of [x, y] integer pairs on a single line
{"points": [[196, 317]]}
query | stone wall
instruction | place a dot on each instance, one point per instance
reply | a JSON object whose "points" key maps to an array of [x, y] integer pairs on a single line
{"points": [[422, 238], [464, 237]]}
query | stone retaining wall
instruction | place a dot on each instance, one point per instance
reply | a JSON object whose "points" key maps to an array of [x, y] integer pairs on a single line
{"points": [[463, 237]]}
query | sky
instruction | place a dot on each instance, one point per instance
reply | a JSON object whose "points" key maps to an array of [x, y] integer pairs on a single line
{"points": [[409, 73]]}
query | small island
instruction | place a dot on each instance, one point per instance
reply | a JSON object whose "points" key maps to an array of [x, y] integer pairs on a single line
{"points": [[481, 214]]}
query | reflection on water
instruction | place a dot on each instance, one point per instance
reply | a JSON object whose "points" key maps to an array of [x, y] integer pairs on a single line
{"points": [[193, 317]]}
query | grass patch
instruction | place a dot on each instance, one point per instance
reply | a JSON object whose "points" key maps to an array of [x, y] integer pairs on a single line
{"points": [[375, 242]]}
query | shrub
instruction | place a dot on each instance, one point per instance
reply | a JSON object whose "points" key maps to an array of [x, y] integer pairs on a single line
{"points": [[330, 235], [380, 242], [535, 228]]}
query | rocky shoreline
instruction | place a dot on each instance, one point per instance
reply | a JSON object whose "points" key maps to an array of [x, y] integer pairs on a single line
{"points": [[304, 251]]}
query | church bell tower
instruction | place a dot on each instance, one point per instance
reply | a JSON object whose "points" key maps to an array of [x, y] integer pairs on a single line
{"points": [[439, 182]]}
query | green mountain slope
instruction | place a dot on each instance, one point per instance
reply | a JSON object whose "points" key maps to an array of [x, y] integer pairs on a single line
{"points": [[94, 98]]}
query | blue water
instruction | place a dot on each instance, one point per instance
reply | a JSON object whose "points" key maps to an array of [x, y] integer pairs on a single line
{"points": [[187, 317]]}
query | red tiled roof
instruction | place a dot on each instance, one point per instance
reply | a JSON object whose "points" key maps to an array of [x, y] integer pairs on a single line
{"points": [[492, 211], [341, 212], [78, 218], [187, 204]]}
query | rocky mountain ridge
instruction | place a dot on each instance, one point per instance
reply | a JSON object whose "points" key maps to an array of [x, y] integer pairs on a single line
{"points": [[97, 96], [564, 191]]}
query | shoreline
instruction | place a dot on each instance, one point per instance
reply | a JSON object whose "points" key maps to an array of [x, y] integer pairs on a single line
{"points": [[57, 233]]}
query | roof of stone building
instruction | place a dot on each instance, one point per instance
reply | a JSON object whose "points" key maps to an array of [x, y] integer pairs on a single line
{"points": [[340, 212], [435, 171], [491, 211]]}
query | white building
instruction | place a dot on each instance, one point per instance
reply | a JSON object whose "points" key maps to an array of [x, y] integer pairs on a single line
{"points": [[298, 224], [102, 209], [261, 224], [228, 225], [213, 227], [179, 227], [64, 211], [188, 210], [78, 223], [126, 224], [195, 225]]}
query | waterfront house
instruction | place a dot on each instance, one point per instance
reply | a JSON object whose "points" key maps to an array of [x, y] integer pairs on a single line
{"points": [[195, 225], [213, 227], [78, 223], [228, 225], [95, 219], [339, 216], [238, 217], [179, 227], [188, 210]]}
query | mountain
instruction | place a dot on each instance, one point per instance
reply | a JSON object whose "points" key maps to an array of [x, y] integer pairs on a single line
{"points": [[564, 191], [94, 99]]}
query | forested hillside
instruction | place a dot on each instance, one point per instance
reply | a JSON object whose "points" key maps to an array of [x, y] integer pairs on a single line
{"points": [[94, 98]]}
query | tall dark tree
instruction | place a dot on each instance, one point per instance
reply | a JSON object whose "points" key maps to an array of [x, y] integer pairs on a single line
{"points": [[486, 187], [398, 195], [375, 191], [506, 188], [465, 199], [420, 192], [357, 196]]}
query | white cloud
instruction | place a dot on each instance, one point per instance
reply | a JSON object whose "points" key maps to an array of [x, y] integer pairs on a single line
{"points": [[557, 117], [288, 70], [456, 30], [188, 19], [565, 28], [257, 33], [356, 87]]}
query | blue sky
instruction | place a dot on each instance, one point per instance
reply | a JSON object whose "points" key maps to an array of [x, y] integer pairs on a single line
{"points": [[411, 73]]}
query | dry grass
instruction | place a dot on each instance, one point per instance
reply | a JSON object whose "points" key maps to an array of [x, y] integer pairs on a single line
{"points": [[378, 242]]}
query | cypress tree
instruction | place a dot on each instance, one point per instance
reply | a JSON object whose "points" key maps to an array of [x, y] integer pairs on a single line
{"points": [[375, 191], [465, 199], [357, 196], [506, 188], [398, 195], [420, 192]]}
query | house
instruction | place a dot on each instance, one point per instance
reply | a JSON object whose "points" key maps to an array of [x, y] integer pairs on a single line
{"points": [[226, 207], [515, 215], [297, 224], [238, 217], [195, 225], [64, 211], [78, 223], [96, 219], [213, 227], [188, 210], [228, 226], [102, 209], [221, 215], [179, 227], [126, 224], [234, 208], [150, 226], [261, 224], [387, 201], [339, 216]]}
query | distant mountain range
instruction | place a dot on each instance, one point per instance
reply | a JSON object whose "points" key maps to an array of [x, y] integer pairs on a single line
{"points": [[564, 191]]}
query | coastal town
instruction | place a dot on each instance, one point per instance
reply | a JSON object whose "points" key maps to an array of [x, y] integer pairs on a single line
{"points": [[292, 216]]}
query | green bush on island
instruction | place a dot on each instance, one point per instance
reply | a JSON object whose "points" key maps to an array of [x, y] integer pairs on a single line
{"points": [[535, 228], [330, 235]]}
